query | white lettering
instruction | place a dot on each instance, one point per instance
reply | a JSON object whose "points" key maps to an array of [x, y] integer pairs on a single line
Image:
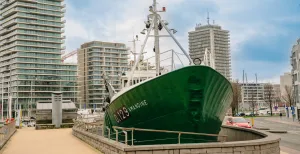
{"points": [[138, 105]]}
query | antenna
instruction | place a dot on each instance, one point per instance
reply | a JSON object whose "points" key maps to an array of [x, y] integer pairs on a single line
{"points": [[207, 17]]}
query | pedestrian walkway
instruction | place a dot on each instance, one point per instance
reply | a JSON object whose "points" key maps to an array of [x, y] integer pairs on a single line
{"points": [[51, 141]]}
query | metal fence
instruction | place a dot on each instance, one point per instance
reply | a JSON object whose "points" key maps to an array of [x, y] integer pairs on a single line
{"points": [[7, 130], [126, 135]]}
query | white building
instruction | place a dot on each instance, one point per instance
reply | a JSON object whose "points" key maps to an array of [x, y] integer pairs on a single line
{"points": [[285, 80], [252, 92], [295, 71], [258, 93], [216, 40]]}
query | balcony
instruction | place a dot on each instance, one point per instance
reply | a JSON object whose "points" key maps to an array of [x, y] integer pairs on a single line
{"points": [[9, 23], [6, 3], [7, 30], [7, 46], [9, 12], [8, 35]]}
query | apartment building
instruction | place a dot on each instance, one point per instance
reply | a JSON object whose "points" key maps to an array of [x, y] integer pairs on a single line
{"points": [[216, 40], [295, 58], [95, 58], [31, 43]]}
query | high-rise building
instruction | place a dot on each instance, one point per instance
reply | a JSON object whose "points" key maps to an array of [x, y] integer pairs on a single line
{"points": [[30, 52], [295, 72], [94, 59], [216, 40]]}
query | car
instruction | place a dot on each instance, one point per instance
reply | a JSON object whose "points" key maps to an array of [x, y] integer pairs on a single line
{"points": [[238, 122], [242, 114]]}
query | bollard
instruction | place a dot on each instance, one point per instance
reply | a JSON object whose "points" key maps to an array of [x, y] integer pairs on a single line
{"points": [[252, 121]]}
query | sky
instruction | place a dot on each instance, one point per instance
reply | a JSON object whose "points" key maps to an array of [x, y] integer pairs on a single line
{"points": [[262, 32]]}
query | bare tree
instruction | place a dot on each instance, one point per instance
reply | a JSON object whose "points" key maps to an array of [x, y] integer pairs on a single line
{"points": [[269, 95], [288, 95], [236, 97], [253, 103]]}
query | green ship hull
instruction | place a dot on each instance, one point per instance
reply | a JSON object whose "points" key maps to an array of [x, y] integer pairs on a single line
{"points": [[190, 99]]}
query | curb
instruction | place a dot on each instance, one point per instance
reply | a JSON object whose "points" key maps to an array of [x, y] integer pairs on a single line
{"points": [[261, 128], [277, 131]]}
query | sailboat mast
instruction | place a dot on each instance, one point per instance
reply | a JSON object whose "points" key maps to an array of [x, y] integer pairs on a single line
{"points": [[156, 38]]}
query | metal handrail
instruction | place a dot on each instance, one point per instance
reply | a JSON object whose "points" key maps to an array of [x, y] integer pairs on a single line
{"points": [[165, 131]]}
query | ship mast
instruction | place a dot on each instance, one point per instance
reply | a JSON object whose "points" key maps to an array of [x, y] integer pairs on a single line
{"points": [[156, 38], [156, 24]]}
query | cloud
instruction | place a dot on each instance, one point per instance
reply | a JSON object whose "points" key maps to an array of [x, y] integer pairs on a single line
{"points": [[251, 23]]}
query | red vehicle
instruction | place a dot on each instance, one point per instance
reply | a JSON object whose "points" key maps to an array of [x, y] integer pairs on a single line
{"points": [[238, 122]]}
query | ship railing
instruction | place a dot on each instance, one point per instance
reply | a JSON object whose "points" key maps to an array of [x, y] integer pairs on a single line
{"points": [[125, 130], [165, 57]]}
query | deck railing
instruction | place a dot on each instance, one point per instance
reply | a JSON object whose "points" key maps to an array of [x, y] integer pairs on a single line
{"points": [[126, 135], [124, 130]]}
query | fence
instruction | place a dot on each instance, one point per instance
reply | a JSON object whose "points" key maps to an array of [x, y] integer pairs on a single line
{"points": [[126, 135], [6, 131]]}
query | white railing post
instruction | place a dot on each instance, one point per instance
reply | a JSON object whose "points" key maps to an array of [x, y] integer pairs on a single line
{"points": [[179, 134], [132, 136], [125, 136], [108, 132], [117, 134]]}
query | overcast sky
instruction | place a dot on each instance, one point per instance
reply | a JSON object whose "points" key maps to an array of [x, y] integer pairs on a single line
{"points": [[262, 32]]}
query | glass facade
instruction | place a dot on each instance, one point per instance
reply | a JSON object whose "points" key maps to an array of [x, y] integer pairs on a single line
{"points": [[95, 58], [30, 53]]}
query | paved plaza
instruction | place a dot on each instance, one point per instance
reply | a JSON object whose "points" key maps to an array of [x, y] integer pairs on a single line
{"points": [[51, 141]]}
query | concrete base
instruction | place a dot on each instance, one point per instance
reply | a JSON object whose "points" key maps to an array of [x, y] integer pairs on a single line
{"points": [[242, 141]]}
